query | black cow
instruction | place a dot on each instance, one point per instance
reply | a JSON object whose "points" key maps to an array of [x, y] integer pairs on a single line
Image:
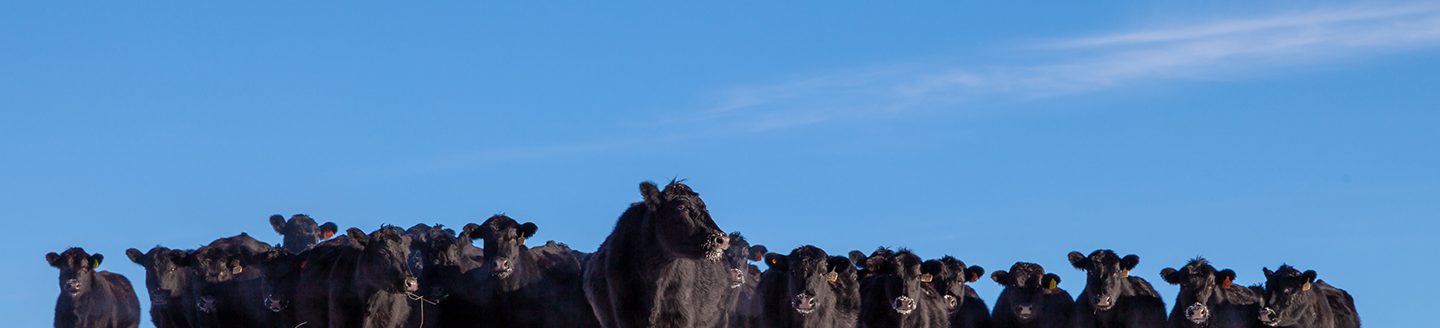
{"points": [[90, 298], [167, 284], [225, 286], [279, 277], [1295, 299], [809, 288], [370, 286], [1112, 298], [301, 232], [747, 303], [661, 265], [964, 306], [1031, 299], [527, 287], [309, 300], [1209, 298], [435, 260], [897, 294]]}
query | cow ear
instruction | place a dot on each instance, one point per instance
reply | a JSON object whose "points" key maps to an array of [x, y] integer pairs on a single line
{"points": [[1268, 273], [1170, 276], [135, 255], [1051, 281], [775, 261], [1226, 278], [470, 232], [528, 229], [1129, 262], [933, 267], [53, 259], [858, 258], [1078, 260], [651, 193], [328, 230], [757, 252], [1309, 276], [358, 236], [840, 264], [277, 222], [973, 273], [1000, 277], [236, 267], [95, 260]]}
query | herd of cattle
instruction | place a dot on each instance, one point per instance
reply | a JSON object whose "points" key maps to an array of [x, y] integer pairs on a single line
{"points": [[666, 264]]}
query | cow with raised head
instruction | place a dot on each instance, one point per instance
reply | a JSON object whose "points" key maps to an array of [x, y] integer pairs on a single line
{"points": [[372, 285], [808, 288], [1112, 298], [1209, 298], [951, 279], [1031, 298], [898, 294], [1295, 299], [90, 298], [300, 232], [661, 265], [518, 286], [167, 284], [226, 286], [747, 303]]}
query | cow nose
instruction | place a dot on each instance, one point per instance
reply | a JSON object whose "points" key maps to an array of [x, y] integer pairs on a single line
{"points": [[1197, 312], [1104, 301], [1267, 317], [721, 240], [803, 303], [950, 302], [411, 285], [1025, 312], [903, 304]]}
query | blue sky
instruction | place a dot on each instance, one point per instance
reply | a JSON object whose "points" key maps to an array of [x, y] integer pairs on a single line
{"points": [[1254, 135]]}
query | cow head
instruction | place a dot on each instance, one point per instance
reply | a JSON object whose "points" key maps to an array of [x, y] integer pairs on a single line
{"points": [[164, 279], [384, 262], [77, 270], [1199, 283], [1106, 275], [435, 259], [279, 271], [301, 232], [681, 223], [1026, 287], [1289, 293], [215, 265], [949, 278], [900, 278], [737, 258], [504, 242], [813, 277]]}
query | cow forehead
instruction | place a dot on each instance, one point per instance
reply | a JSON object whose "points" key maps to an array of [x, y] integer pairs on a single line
{"points": [[1104, 256]]}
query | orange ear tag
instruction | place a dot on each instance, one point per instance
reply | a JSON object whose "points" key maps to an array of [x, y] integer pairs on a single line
{"points": [[327, 234]]}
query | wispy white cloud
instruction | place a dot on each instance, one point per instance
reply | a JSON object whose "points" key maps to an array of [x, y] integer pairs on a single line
{"points": [[1219, 48]]}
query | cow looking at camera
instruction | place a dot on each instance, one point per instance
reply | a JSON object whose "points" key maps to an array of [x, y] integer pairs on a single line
{"points": [[90, 298], [1112, 298], [951, 279], [1210, 298], [1031, 298], [1295, 299], [808, 288]]}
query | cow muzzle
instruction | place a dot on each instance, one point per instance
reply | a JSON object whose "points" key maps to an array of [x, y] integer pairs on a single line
{"points": [[1104, 302], [205, 304], [737, 278], [804, 303], [72, 287], [903, 305], [410, 284], [1269, 317], [502, 267], [1025, 313], [1197, 313], [715, 245], [274, 304], [951, 302]]}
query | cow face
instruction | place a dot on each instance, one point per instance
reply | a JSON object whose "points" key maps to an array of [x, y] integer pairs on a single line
{"points": [[1199, 283], [301, 232], [77, 270], [949, 278], [901, 280], [384, 262], [279, 270], [1289, 293], [681, 223], [1106, 274], [504, 243], [164, 279], [813, 277], [435, 259], [214, 265], [737, 258], [1026, 287]]}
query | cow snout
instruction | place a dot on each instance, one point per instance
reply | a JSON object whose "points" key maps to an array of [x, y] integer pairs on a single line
{"points": [[1197, 313], [411, 285], [1269, 318], [715, 246], [274, 304], [205, 304], [159, 298], [903, 305], [737, 278], [502, 267], [803, 303], [1104, 302], [72, 286], [1025, 312], [951, 303]]}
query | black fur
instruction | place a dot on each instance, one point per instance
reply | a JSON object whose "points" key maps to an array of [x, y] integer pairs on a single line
{"points": [[951, 279], [1296, 299], [370, 286], [1209, 298], [166, 282], [895, 293], [226, 284], [300, 232], [1031, 299], [90, 298], [1112, 298], [526, 287], [808, 288]]}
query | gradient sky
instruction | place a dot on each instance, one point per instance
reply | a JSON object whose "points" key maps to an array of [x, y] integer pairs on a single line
{"points": [[1288, 132]]}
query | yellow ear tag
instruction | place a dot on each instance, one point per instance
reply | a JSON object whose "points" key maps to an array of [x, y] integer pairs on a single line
{"points": [[94, 264], [1052, 284], [832, 276], [926, 277]]}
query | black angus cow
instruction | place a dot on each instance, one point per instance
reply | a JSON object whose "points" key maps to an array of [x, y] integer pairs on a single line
{"points": [[279, 277], [737, 268], [1031, 299], [897, 294], [1295, 299], [1209, 298], [371, 285], [808, 288], [747, 303], [435, 261], [90, 298], [167, 284], [951, 278], [526, 287], [862, 261], [309, 300], [300, 232], [224, 288], [1113, 298], [661, 265]]}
